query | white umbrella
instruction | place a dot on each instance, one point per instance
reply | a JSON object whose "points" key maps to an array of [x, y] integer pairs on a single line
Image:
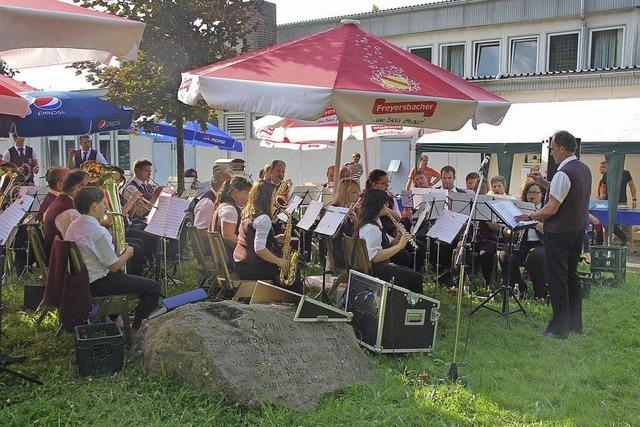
{"points": [[47, 32]]}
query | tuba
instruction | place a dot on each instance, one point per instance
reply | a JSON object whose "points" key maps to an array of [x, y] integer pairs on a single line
{"points": [[287, 277], [108, 179], [10, 178]]}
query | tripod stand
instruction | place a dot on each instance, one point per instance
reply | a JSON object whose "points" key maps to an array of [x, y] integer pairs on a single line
{"points": [[6, 360], [505, 290]]}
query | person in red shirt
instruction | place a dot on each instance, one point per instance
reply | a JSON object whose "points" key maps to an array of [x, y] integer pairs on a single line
{"points": [[433, 177]]}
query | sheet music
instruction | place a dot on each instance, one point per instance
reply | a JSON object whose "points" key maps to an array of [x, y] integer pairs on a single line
{"points": [[507, 211], [448, 225], [165, 192], [327, 196], [11, 216], [310, 215], [333, 217], [424, 211], [38, 194], [525, 207], [168, 216], [293, 205], [406, 197], [310, 192]]}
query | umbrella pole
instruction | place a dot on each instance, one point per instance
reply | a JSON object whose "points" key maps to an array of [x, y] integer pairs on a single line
{"points": [[300, 164], [336, 172], [366, 150]]}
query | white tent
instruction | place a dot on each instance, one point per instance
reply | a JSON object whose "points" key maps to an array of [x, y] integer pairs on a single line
{"points": [[609, 120]]}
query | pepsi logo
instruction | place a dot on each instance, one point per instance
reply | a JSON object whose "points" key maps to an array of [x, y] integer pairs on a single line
{"points": [[102, 123], [47, 103]]}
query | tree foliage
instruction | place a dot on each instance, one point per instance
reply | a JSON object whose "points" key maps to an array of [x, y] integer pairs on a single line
{"points": [[178, 36], [5, 69]]}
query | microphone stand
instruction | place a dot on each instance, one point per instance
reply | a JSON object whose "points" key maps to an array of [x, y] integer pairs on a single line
{"points": [[453, 367]]}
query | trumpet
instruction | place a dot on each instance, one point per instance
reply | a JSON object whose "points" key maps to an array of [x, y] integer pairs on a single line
{"points": [[129, 191]]}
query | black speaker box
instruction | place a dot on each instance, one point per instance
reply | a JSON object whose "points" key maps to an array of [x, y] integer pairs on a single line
{"points": [[390, 319]]}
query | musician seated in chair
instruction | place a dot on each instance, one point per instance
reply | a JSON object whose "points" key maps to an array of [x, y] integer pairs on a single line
{"points": [[227, 214], [142, 183], [346, 195], [369, 228], [528, 250], [54, 177], [255, 254], [103, 265], [62, 212], [203, 211], [486, 244], [393, 225]]}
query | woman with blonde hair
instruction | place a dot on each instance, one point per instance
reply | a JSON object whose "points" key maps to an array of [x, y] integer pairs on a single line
{"points": [[254, 254]]}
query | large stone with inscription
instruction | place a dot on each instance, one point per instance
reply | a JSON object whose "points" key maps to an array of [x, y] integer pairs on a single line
{"points": [[254, 353]]}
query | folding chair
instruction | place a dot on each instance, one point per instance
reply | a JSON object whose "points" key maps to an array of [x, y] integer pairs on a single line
{"points": [[227, 280], [36, 241], [206, 264], [356, 255]]}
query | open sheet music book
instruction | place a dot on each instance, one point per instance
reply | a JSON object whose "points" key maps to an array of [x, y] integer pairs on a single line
{"points": [[310, 215], [425, 210], [38, 194], [307, 192], [462, 202], [293, 205], [331, 221], [167, 217], [11, 216], [507, 211], [448, 226]]}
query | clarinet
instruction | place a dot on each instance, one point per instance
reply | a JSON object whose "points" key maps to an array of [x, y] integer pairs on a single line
{"points": [[401, 229]]}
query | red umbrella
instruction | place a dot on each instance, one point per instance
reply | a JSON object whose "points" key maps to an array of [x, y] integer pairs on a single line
{"points": [[11, 102], [46, 32], [366, 79]]}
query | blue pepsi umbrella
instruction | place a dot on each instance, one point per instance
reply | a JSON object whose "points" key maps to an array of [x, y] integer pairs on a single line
{"points": [[193, 134], [67, 113]]}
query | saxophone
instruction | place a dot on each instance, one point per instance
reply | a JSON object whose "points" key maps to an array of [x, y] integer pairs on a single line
{"points": [[108, 179], [287, 277]]}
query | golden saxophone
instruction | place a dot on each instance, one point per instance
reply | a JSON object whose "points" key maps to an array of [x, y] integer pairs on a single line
{"points": [[108, 179], [287, 277]]}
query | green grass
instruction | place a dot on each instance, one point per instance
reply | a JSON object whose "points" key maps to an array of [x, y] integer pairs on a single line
{"points": [[512, 377]]}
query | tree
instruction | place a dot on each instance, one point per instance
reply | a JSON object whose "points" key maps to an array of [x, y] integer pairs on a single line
{"points": [[178, 36], [375, 8], [5, 69]]}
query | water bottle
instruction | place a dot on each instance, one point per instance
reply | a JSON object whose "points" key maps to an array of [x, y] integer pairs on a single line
{"points": [[516, 291]]}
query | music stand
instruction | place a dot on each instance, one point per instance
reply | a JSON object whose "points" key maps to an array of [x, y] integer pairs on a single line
{"points": [[8, 221], [329, 228], [503, 210]]}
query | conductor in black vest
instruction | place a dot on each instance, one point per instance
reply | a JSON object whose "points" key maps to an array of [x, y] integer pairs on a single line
{"points": [[77, 157], [565, 218]]}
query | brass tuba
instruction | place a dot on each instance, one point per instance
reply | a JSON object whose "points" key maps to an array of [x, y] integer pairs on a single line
{"points": [[108, 179], [10, 178]]}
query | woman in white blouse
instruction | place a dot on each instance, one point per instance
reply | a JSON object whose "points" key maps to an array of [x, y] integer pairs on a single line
{"points": [[254, 254], [373, 205], [530, 252], [227, 212]]}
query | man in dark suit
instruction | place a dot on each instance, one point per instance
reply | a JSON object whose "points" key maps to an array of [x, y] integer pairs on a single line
{"points": [[566, 216]]}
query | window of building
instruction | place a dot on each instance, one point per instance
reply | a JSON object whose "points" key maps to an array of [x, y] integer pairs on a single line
{"points": [[124, 150], [69, 144], [422, 52], [523, 56], [563, 52], [53, 145], [606, 48], [104, 145], [452, 58], [486, 59], [235, 125]]}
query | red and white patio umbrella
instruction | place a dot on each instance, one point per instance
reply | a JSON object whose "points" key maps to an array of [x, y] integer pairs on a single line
{"points": [[280, 132], [46, 32], [367, 80], [11, 102]]}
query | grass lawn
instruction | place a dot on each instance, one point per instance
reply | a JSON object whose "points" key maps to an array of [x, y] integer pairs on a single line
{"points": [[513, 377]]}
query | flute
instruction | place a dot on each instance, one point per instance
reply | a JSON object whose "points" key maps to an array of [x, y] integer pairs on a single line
{"points": [[401, 229]]}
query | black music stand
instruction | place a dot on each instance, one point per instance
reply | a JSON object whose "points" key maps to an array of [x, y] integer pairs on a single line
{"points": [[5, 359], [505, 290]]}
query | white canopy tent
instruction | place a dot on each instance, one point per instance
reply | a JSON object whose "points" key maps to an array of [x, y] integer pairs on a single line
{"points": [[608, 120]]}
